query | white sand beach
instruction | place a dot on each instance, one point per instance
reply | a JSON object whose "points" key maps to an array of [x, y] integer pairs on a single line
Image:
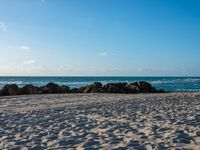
{"points": [[100, 121]]}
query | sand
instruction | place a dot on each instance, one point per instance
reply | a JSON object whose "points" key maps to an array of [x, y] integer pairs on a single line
{"points": [[101, 121]]}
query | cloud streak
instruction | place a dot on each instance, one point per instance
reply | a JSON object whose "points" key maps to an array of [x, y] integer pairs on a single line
{"points": [[103, 54], [3, 26], [29, 62], [24, 48]]}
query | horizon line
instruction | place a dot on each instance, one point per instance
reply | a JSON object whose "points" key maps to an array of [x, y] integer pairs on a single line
{"points": [[150, 76]]}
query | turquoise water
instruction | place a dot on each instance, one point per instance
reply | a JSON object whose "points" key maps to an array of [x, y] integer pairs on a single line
{"points": [[167, 83]]}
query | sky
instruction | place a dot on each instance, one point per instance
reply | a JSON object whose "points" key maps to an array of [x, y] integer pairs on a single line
{"points": [[99, 38]]}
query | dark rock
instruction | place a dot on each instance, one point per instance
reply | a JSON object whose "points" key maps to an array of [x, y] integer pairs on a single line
{"points": [[93, 88], [146, 87], [135, 83], [122, 87], [75, 90], [29, 89], [115, 87], [65, 89], [99, 90], [130, 88], [81, 89], [1, 94], [51, 88], [96, 87], [10, 89]]}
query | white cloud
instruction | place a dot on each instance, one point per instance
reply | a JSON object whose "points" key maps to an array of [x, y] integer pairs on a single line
{"points": [[102, 54], [24, 48], [29, 62], [3, 26]]}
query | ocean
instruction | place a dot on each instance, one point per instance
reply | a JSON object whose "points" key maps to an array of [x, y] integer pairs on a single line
{"points": [[178, 84]]}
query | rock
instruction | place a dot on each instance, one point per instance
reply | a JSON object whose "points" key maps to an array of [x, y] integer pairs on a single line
{"points": [[135, 83], [75, 90], [10, 89], [96, 87], [29, 89], [99, 90], [1, 94], [146, 87], [135, 87], [130, 88], [93, 88], [51, 88], [81, 89], [111, 88], [65, 89], [115, 87]]}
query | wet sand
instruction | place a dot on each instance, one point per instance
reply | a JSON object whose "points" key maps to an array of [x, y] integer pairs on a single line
{"points": [[101, 121]]}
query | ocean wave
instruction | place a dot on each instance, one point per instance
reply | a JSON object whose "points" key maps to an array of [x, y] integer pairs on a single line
{"points": [[11, 82], [176, 81], [166, 83], [187, 90]]}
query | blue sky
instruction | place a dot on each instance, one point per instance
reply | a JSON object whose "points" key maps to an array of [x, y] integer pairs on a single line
{"points": [[100, 37]]}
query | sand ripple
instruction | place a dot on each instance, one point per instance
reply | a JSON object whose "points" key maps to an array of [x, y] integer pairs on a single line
{"points": [[100, 121]]}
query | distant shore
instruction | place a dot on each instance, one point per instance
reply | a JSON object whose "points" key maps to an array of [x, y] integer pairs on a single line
{"points": [[100, 121]]}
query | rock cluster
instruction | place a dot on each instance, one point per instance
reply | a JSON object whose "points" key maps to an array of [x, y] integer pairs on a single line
{"points": [[96, 87]]}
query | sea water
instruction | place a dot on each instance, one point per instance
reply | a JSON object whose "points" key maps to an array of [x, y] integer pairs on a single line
{"points": [[188, 84]]}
